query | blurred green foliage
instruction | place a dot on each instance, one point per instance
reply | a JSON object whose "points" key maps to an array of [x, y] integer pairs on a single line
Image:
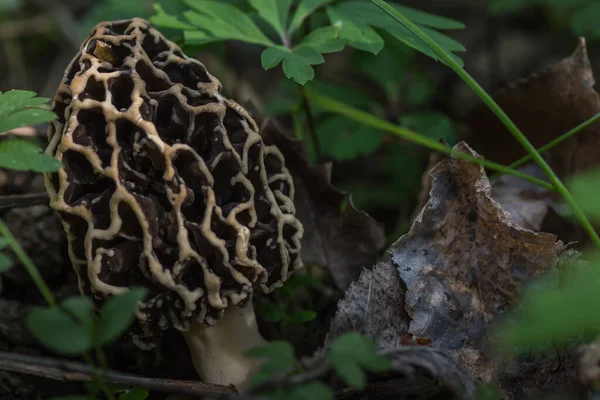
{"points": [[580, 16]]}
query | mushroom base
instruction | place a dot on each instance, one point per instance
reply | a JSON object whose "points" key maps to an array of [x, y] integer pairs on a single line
{"points": [[218, 351]]}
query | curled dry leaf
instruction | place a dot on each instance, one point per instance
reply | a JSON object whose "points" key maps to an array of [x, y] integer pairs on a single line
{"points": [[526, 202], [462, 264], [464, 261], [345, 240], [544, 106]]}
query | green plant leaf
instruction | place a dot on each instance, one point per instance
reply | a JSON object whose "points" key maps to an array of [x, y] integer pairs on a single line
{"points": [[225, 22], [21, 107], [433, 124], [361, 37], [275, 12], [310, 391], [134, 394], [301, 317], [273, 56], [6, 263], [367, 14], [585, 188], [552, 315], [351, 353], [324, 40], [66, 330], [117, 314], [279, 357], [270, 311], [3, 243], [343, 140], [161, 18], [23, 155], [427, 19], [304, 10]]}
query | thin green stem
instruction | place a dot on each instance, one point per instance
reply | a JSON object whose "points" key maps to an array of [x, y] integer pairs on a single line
{"points": [[553, 143], [408, 135], [28, 264], [102, 383], [496, 109]]}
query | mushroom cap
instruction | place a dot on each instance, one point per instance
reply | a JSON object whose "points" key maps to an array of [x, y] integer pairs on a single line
{"points": [[165, 183]]}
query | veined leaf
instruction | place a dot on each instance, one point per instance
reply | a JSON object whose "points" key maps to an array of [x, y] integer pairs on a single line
{"points": [[426, 19], [21, 107], [297, 63], [361, 37], [275, 12], [168, 21], [324, 40], [304, 10], [226, 22], [367, 14], [22, 155]]}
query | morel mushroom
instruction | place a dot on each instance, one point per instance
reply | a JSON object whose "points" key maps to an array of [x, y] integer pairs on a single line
{"points": [[168, 185]]}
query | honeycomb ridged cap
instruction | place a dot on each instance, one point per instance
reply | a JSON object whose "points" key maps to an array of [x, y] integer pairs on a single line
{"points": [[165, 183]]}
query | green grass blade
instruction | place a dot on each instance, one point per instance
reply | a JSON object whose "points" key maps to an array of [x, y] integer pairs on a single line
{"points": [[496, 109], [28, 264], [368, 119], [553, 143]]}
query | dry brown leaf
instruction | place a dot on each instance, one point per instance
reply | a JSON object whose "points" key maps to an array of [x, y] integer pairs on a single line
{"points": [[343, 241], [526, 202], [544, 106], [464, 262], [374, 306]]}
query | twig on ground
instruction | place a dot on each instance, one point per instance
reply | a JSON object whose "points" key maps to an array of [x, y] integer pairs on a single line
{"points": [[23, 200], [63, 370]]}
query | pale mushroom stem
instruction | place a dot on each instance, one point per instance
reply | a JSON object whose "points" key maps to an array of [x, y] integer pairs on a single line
{"points": [[218, 351]]}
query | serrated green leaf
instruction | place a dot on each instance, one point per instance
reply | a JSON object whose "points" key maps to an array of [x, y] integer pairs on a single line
{"points": [[68, 332], [312, 56], [135, 394], [274, 12], [310, 391], [165, 20], [361, 37], [225, 22], [304, 10], [272, 56], [6, 263], [367, 14], [23, 155], [427, 19], [117, 314], [21, 107], [324, 40], [198, 38]]}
